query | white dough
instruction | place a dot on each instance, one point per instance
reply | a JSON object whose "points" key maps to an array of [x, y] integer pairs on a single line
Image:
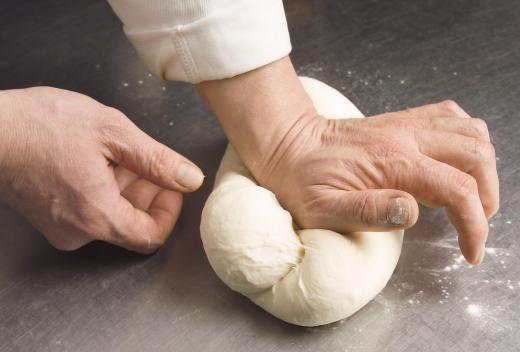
{"points": [[304, 277]]}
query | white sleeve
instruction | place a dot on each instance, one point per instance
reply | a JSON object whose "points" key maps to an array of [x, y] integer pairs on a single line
{"points": [[199, 40]]}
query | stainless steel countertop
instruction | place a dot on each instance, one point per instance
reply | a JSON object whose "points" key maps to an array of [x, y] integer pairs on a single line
{"points": [[384, 55]]}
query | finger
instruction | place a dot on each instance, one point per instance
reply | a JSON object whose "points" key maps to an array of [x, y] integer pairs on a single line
{"points": [[141, 193], [471, 127], [367, 210], [469, 155], [145, 231], [165, 210], [447, 108], [124, 177], [129, 146], [436, 184]]}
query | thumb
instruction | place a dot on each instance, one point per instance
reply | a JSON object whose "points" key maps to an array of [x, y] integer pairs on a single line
{"points": [[371, 210], [138, 152]]}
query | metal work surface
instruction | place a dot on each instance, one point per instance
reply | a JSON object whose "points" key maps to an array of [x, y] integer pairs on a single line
{"points": [[384, 55]]}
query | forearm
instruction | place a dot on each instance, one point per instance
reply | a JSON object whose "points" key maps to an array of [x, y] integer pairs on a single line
{"points": [[258, 108]]}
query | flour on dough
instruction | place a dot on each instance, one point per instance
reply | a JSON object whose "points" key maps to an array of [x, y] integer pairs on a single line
{"points": [[304, 277]]}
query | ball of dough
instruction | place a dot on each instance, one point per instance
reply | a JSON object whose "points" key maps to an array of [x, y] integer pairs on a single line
{"points": [[304, 277]]}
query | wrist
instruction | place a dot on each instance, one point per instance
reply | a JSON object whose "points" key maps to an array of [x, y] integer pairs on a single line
{"points": [[258, 109]]}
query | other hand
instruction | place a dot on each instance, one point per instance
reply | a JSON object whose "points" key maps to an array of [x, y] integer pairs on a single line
{"points": [[81, 171]]}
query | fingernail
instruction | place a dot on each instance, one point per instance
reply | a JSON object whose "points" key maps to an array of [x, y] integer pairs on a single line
{"points": [[189, 176], [398, 211]]}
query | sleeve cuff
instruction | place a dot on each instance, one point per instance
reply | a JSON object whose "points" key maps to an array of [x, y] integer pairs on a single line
{"points": [[230, 41]]}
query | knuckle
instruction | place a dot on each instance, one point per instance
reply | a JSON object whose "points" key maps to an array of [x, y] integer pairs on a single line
{"points": [[466, 184], [162, 163], [481, 126], [450, 105], [479, 123], [365, 209], [113, 113], [112, 119], [60, 102], [484, 150], [56, 106]]}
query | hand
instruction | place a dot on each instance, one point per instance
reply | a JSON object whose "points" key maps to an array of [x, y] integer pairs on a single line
{"points": [[359, 174], [58, 159]]}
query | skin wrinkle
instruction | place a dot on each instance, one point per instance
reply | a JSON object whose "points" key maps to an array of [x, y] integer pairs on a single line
{"points": [[286, 142], [359, 176], [371, 174], [317, 205], [348, 179], [367, 210], [273, 157]]}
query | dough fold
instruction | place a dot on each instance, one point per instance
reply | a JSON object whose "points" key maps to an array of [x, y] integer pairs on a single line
{"points": [[304, 277]]}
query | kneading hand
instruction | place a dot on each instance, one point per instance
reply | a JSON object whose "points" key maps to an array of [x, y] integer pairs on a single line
{"points": [[359, 174], [81, 171]]}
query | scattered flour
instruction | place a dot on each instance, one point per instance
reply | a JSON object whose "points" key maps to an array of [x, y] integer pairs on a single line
{"points": [[474, 310]]}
